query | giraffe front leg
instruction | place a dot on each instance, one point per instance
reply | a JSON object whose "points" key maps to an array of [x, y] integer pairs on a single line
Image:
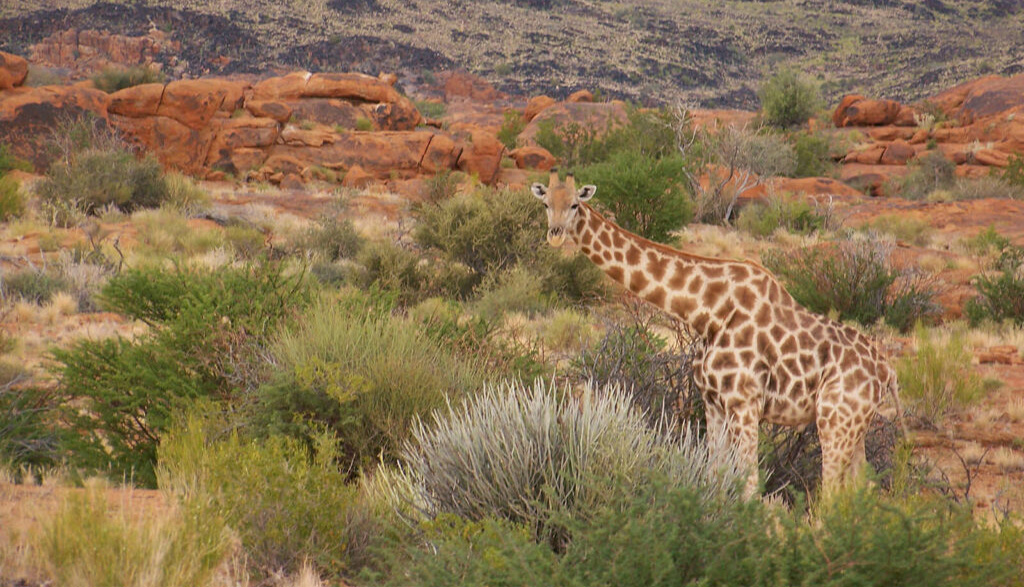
{"points": [[742, 428]]}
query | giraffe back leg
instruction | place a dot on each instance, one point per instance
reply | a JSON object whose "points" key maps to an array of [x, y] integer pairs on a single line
{"points": [[743, 410], [842, 428]]}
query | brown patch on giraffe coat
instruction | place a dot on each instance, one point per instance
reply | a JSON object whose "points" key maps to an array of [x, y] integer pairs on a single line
{"points": [[593, 220], [607, 254], [739, 272], [789, 345], [619, 256], [596, 258], [806, 340], [724, 312], [586, 239], [700, 321], [616, 273], [763, 317], [638, 281], [745, 297], [618, 240], [683, 306], [745, 336], [713, 272], [713, 292], [657, 297], [605, 238], [694, 287], [657, 266], [773, 293], [728, 381], [747, 357], [724, 361], [633, 255], [678, 278]]}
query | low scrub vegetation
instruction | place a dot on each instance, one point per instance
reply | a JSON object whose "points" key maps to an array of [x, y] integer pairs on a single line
{"points": [[784, 212], [112, 79], [938, 377], [788, 99], [87, 542], [1000, 290], [854, 279]]}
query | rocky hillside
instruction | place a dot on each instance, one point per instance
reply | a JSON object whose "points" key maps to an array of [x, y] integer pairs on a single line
{"points": [[651, 51]]}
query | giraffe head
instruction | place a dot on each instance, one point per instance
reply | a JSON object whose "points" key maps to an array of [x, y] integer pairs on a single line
{"points": [[562, 201]]}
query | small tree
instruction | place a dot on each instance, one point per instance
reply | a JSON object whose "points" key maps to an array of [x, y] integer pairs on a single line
{"points": [[788, 99]]}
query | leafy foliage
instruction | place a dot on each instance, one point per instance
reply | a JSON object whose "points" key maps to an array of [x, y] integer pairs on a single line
{"points": [[360, 374], [512, 125], [288, 504], [813, 155], [929, 173], [938, 378], [855, 279], [762, 218], [32, 285], [206, 326], [12, 203], [1001, 294], [112, 79], [788, 99], [645, 193]]}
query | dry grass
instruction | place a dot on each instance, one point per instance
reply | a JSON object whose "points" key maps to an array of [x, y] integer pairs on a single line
{"points": [[973, 453], [716, 241], [1015, 409], [1007, 460]]}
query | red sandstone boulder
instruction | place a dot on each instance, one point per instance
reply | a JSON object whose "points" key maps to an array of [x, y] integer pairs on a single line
{"points": [[536, 105], [326, 111], [381, 154], [240, 133], [817, 186], [314, 137], [400, 114], [13, 71], [286, 87], [482, 157], [86, 52], [352, 86], [991, 96], [949, 101], [174, 144], [533, 157], [278, 110], [137, 101], [597, 117], [357, 177], [29, 115], [859, 111], [581, 96], [194, 102], [869, 156], [897, 153], [462, 85]]}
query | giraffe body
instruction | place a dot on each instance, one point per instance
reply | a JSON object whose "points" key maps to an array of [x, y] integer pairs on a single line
{"points": [[766, 358]]}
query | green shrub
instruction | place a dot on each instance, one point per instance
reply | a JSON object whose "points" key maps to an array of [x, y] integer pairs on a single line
{"points": [[9, 161], [907, 229], [788, 99], [855, 280], [87, 542], [939, 378], [32, 285], [206, 329], [986, 242], [569, 451], [645, 194], [331, 239], [364, 124], [1013, 173], [28, 436], [490, 232], [247, 240], [287, 504], [929, 173], [12, 203], [443, 185], [658, 377], [185, 196], [112, 79], [93, 179], [511, 126], [514, 290], [813, 153], [361, 374], [647, 132], [430, 108], [986, 186], [795, 215], [671, 535], [1001, 291]]}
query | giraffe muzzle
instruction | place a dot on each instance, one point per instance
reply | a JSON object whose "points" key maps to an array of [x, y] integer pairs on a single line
{"points": [[556, 236]]}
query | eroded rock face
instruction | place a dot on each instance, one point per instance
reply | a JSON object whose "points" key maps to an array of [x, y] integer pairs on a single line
{"points": [[597, 116], [88, 51], [13, 71], [859, 111], [28, 116]]}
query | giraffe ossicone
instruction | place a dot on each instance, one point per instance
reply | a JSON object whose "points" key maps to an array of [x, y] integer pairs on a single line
{"points": [[766, 358]]}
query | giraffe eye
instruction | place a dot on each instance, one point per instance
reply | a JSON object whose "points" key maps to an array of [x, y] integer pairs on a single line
{"points": [[546, 206], [574, 206]]}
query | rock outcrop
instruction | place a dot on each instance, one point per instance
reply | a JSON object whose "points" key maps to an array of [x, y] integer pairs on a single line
{"points": [[13, 71]]}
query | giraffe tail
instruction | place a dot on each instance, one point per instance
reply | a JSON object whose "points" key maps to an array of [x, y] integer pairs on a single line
{"points": [[894, 390]]}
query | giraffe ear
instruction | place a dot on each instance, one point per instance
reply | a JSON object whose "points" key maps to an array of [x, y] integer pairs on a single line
{"points": [[586, 192], [539, 190]]}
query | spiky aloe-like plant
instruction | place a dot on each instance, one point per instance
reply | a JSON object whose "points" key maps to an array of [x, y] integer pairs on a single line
{"points": [[526, 453]]}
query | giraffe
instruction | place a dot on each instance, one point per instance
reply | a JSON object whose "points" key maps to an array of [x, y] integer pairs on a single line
{"points": [[766, 358]]}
